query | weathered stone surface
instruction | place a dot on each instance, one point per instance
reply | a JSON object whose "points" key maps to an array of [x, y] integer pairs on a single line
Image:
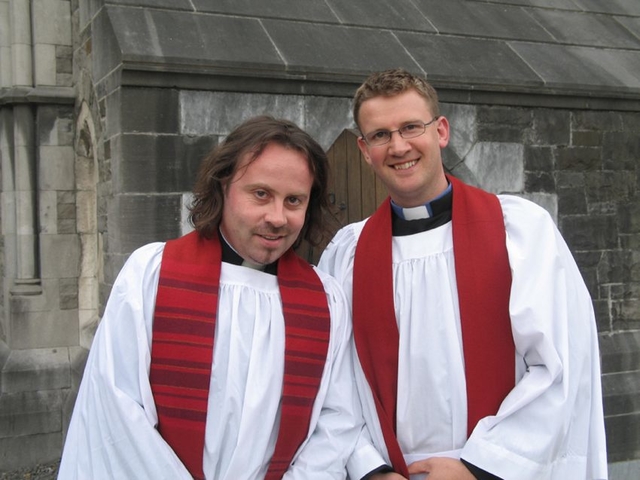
{"points": [[488, 62], [310, 10], [217, 113], [539, 182], [550, 127], [586, 139], [36, 370], [623, 437], [621, 393], [586, 29], [471, 18], [331, 49], [149, 35], [402, 15], [16, 452], [149, 110], [590, 232], [582, 68], [143, 219], [164, 163], [621, 151], [578, 158], [498, 167]]}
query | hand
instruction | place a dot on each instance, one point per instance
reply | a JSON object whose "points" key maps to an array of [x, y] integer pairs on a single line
{"points": [[387, 476], [441, 468]]}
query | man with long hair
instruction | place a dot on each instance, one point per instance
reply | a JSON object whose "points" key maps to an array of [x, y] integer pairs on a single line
{"points": [[222, 354]]}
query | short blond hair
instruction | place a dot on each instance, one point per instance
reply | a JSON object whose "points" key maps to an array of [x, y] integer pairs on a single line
{"points": [[389, 83]]}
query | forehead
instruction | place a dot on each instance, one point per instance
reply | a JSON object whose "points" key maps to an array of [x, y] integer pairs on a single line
{"points": [[390, 111], [276, 167]]}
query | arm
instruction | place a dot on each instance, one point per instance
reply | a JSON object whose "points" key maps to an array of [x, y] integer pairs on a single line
{"points": [[339, 422], [551, 423], [112, 432]]}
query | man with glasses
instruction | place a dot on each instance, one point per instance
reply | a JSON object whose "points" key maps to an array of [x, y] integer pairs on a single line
{"points": [[477, 348]]}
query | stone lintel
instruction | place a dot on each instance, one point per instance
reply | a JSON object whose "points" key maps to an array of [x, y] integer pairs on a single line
{"points": [[345, 85], [39, 95]]}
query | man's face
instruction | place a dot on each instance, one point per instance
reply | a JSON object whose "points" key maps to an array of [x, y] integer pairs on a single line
{"points": [[411, 168], [266, 202]]}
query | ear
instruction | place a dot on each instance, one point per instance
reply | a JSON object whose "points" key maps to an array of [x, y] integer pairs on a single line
{"points": [[443, 131], [364, 148]]}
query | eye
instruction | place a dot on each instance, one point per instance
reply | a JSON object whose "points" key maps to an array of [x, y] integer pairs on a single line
{"points": [[378, 135], [411, 127], [261, 194], [294, 201]]}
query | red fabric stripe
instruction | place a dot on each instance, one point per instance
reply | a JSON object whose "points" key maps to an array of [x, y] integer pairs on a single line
{"points": [[172, 390], [293, 274], [195, 414], [188, 292], [172, 340], [188, 286], [484, 287]]}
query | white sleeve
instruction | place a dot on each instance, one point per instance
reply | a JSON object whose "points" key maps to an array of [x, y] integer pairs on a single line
{"points": [[339, 422], [337, 260], [112, 432], [551, 424]]}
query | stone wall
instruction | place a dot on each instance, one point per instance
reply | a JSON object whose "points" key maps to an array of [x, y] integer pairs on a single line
{"points": [[582, 166], [103, 123]]}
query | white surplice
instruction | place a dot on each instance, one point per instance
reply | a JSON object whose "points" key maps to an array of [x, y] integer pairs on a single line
{"points": [[112, 434], [551, 424]]}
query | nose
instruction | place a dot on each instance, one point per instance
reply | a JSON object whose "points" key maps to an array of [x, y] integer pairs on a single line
{"points": [[398, 145], [276, 215]]}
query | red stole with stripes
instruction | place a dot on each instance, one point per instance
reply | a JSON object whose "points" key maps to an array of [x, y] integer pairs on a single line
{"points": [[183, 339], [483, 277]]}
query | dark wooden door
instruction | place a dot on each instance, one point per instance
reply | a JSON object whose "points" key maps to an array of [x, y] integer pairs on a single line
{"points": [[354, 190]]}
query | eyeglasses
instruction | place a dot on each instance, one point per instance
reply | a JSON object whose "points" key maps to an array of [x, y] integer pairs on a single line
{"points": [[410, 130]]}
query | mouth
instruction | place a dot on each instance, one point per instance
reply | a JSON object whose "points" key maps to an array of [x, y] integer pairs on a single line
{"points": [[405, 166], [271, 239]]}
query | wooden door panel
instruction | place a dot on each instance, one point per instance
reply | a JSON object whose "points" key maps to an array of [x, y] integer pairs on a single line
{"points": [[354, 190]]}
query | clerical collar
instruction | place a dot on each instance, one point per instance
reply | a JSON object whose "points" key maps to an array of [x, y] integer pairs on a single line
{"points": [[437, 212], [229, 255], [427, 210]]}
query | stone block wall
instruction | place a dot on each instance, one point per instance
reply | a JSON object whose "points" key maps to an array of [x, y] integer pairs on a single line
{"points": [[582, 166]]}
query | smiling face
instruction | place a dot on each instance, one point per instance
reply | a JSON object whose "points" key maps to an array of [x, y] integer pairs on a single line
{"points": [[411, 169], [265, 203]]}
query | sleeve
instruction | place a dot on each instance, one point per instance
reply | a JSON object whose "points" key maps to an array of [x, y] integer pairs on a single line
{"points": [[339, 423], [551, 424], [112, 432]]}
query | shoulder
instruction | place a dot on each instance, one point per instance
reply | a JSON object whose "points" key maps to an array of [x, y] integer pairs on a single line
{"points": [[522, 214], [512, 204], [345, 239], [144, 262], [147, 254]]}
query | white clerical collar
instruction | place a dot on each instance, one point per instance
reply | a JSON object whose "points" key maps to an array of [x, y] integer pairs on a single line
{"points": [[421, 211]]}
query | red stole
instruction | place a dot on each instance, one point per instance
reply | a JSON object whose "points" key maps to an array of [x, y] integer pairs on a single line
{"points": [[183, 339], [483, 277]]}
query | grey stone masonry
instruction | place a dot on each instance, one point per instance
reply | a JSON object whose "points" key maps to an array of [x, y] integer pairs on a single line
{"points": [[561, 47], [108, 106]]}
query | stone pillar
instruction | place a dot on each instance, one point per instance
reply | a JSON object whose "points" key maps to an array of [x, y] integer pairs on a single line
{"points": [[21, 50], [24, 153], [27, 273], [5, 45]]}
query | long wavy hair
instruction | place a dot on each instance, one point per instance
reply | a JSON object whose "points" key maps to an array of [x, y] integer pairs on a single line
{"points": [[251, 138]]}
